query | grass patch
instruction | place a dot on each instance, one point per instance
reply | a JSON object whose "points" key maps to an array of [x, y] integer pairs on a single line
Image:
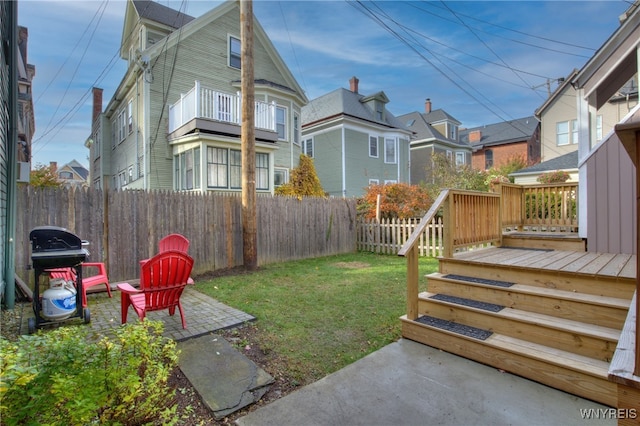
{"points": [[318, 315]]}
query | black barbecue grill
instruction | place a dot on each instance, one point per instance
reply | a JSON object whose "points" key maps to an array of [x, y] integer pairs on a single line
{"points": [[54, 247]]}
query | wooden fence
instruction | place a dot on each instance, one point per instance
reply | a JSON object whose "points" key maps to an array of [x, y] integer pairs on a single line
{"points": [[388, 235], [135, 221]]}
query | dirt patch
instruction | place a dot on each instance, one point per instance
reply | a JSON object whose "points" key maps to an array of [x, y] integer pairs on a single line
{"points": [[352, 265]]}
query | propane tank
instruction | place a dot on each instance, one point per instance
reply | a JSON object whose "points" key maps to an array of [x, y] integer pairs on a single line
{"points": [[59, 300]]}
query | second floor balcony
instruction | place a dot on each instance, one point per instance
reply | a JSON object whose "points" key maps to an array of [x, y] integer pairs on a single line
{"points": [[217, 112]]}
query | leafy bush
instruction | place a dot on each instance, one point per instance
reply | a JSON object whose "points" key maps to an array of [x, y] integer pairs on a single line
{"points": [[398, 200], [549, 206], [304, 181], [559, 176], [63, 377]]}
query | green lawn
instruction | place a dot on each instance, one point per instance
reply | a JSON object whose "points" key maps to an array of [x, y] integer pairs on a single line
{"points": [[318, 315]]}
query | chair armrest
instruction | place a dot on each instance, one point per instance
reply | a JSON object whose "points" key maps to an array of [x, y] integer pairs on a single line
{"points": [[127, 288], [102, 270]]}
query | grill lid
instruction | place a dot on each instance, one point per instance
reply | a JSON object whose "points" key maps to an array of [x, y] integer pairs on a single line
{"points": [[53, 238], [55, 247]]}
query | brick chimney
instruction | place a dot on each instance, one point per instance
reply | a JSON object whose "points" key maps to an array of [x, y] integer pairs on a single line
{"points": [[97, 104], [353, 84], [53, 166], [427, 106], [475, 136]]}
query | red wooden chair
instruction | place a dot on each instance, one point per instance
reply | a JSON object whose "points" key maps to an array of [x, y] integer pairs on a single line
{"points": [[69, 274], [171, 242], [174, 242], [162, 280]]}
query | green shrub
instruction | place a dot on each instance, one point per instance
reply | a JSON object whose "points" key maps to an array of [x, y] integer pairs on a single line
{"points": [[63, 377], [559, 176], [549, 206]]}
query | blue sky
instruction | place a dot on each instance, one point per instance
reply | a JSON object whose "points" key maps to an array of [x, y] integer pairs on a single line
{"points": [[482, 62]]}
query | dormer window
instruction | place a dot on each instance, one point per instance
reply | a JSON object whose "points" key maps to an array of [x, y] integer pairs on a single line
{"points": [[454, 132], [379, 111]]}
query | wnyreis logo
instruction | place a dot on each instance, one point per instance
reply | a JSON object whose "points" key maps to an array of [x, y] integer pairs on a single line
{"points": [[608, 413]]}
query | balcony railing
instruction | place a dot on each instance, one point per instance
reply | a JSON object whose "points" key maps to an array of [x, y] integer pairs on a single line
{"points": [[202, 102]]}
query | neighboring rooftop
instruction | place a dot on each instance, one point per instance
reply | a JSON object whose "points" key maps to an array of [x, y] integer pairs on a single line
{"points": [[564, 162], [500, 133], [162, 14]]}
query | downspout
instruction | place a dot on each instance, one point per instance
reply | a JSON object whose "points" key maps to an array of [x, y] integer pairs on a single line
{"points": [[10, 258], [344, 166]]}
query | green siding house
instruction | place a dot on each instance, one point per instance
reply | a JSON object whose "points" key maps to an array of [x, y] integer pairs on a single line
{"points": [[354, 141], [174, 121], [435, 132]]}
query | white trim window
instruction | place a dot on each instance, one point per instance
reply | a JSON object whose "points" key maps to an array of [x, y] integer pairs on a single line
{"points": [[281, 122], [449, 155], [114, 132], [130, 116], [280, 177], [390, 181], [390, 151], [187, 169], [224, 169], [562, 133], [374, 181], [460, 158], [598, 128], [373, 146], [235, 47], [307, 147], [574, 131], [122, 125]]}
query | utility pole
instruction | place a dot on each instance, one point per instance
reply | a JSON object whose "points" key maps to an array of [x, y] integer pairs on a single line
{"points": [[249, 227]]}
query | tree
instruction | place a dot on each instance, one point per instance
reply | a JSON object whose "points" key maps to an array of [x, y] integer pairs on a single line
{"points": [[44, 177], [304, 181], [397, 200], [445, 174]]}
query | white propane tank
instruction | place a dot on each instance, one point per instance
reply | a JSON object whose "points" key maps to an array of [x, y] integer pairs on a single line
{"points": [[59, 300]]}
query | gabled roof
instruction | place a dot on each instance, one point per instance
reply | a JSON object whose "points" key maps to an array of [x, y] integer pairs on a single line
{"points": [[564, 162], [345, 102], [502, 133], [156, 12], [421, 125], [150, 11], [439, 115], [559, 90], [77, 168]]}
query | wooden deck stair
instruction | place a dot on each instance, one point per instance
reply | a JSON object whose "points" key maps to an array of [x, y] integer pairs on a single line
{"points": [[553, 316]]}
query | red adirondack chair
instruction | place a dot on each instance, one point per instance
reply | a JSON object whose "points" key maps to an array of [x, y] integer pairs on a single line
{"points": [[171, 242], [162, 280], [69, 274], [174, 242]]}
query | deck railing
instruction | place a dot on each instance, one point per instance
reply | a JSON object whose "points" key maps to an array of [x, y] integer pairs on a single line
{"points": [[547, 207], [202, 102], [473, 219]]}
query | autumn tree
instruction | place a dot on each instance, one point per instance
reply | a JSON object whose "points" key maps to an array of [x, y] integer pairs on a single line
{"points": [[397, 200], [44, 177], [304, 181]]}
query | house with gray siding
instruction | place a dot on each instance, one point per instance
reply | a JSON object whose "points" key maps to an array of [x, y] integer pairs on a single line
{"points": [[354, 141], [174, 121], [434, 132]]}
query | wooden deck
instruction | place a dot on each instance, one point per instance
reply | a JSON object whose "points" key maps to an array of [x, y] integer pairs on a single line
{"points": [[597, 264], [551, 315]]}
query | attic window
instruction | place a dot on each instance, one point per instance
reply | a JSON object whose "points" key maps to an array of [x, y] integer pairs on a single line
{"points": [[234, 52]]}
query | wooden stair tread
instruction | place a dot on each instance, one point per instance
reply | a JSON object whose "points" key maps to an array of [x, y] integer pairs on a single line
{"points": [[548, 321], [557, 357], [613, 302]]}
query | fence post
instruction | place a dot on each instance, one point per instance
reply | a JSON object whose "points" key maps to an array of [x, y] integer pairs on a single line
{"points": [[449, 210], [412, 283]]}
